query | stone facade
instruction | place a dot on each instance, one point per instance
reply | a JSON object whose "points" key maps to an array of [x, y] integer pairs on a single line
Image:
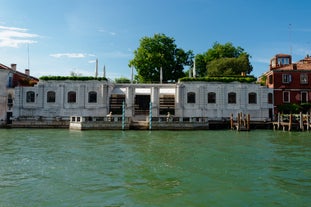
{"points": [[52, 99], [6, 93], [215, 100], [218, 100]]}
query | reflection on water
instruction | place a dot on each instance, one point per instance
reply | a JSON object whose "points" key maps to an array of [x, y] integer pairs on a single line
{"points": [[154, 168]]}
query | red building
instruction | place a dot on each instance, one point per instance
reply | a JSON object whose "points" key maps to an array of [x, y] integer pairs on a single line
{"points": [[291, 82]]}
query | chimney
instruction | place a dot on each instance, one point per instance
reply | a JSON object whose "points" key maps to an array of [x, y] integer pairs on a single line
{"points": [[13, 66], [294, 66], [27, 72]]}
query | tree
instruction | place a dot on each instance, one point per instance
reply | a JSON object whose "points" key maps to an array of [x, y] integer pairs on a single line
{"points": [[223, 60], [159, 52], [122, 80], [228, 66]]}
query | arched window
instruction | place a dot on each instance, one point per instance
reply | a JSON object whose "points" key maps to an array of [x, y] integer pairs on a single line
{"points": [[191, 97], [232, 98], [211, 97], [72, 97], [252, 98], [50, 97], [92, 97], [270, 98], [30, 97]]}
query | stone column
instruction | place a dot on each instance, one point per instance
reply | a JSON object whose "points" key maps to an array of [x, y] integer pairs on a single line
{"points": [[129, 101], [82, 96], [179, 100], [40, 96], [221, 97], [155, 101]]}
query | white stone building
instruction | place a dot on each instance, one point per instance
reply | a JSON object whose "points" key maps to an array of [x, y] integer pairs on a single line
{"points": [[215, 100]]}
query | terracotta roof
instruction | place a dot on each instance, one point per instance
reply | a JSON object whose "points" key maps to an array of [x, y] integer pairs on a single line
{"points": [[299, 66], [282, 55], [4, 67], [304, 64]]}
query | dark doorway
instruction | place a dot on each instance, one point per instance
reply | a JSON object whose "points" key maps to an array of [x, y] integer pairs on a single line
{"points": [[8, 117], [142, 104], [116, 102], [167, 104]]}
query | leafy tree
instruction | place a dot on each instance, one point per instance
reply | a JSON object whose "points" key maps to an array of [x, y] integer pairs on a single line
{"points": [[158, 52], [227, 66], [289, 108], [223, 60], [122, 80]]}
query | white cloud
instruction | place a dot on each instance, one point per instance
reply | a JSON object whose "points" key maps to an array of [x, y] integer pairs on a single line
{"points": [[14, 37], [69, 55], [92, 61], [107, 32]]}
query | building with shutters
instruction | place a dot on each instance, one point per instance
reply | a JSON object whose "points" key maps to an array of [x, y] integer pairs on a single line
{"points": [[291, 82]]}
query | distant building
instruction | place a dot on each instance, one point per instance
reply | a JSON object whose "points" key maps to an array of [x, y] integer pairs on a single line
{"points": [[291, 82], [9, 79]]}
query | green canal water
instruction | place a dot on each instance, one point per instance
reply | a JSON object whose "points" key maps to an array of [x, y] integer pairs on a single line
{"points": [[154, 168]]}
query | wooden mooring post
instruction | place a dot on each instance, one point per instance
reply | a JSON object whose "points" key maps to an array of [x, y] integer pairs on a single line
{"points": [[291, 121], [242, 122]]}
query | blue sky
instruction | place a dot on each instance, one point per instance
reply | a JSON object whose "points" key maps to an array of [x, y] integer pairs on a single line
{"points": [[57, 37]]}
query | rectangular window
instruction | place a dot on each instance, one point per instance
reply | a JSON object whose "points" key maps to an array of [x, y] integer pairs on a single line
{"points": [[304, 78], [286, 78], [283, 61], [71, 97], [270, 98], [252, 98], [191, 97], [270, 79], [304, 97], [286, 97], [211, 97], [50, 97], [232, 98], [92, 97], [30, 97], [10, 82]]}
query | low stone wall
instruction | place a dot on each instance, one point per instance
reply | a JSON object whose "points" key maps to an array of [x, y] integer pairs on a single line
{"points": [[40, 124], [98, 125], [179, 125]]}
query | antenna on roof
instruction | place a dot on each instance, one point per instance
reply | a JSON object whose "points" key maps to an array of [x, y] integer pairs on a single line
{"points": [[290, 38], [28, 55]]}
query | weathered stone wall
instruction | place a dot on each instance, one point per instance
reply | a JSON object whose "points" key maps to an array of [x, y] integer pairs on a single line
{"points": [[199, 108]]}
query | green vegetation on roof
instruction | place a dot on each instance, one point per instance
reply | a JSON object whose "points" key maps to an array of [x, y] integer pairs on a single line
{"points": [[80, 78], [225, 79]]}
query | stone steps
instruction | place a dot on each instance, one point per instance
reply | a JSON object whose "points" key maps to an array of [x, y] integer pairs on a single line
{"points": [[139, 125]]}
